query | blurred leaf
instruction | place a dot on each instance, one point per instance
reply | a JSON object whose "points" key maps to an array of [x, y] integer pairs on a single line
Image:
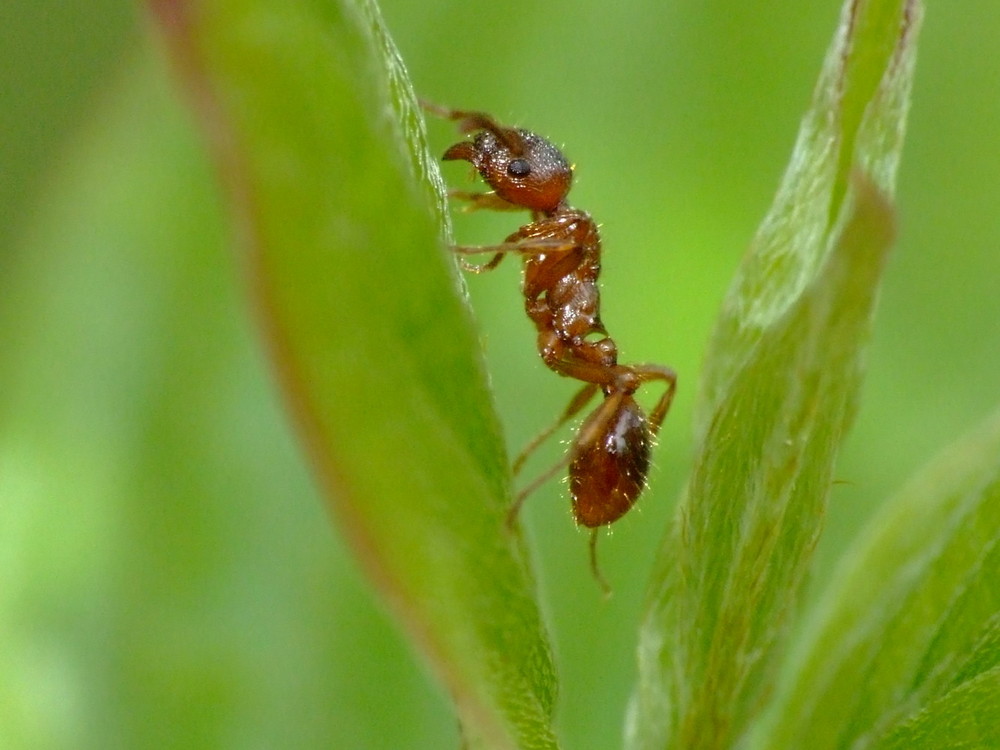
{"points": [[966, 717], [906, 641], [155, 595], [315, 133], [780, 389]]}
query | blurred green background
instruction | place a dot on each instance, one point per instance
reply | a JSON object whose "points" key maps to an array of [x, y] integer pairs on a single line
{"points": [[170, 578]]}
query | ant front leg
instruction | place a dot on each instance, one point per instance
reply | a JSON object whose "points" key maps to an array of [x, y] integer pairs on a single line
{"points": [[468, 120], [483, 201]]}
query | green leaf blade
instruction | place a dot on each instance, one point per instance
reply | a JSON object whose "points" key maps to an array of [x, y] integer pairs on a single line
{"points": [[780, 389], [910, 627], [742, 562], [857, 118], [340, 231], [963, 719]]}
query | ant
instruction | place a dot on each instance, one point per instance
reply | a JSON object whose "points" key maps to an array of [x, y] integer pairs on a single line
{"points": [[561, 252]]}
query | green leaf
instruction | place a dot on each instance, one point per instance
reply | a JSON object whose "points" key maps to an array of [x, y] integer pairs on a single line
{"points": [[852, 122], [906, 641], [780, 388], [338, 216], [963, 719]]}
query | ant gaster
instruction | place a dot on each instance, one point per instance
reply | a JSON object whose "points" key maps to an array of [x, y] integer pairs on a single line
{"points": [[561, 251]]}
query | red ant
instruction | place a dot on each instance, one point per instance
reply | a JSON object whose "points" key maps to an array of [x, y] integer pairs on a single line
{"points": [[561, 251]]}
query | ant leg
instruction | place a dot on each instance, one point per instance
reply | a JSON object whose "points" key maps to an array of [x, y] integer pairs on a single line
{"points": [[576, 404], [649, 373], [527, 247], [483, 201], [595, 569], [481, 267], [469, 120], [447, 113], [591, 429], [499, 251]]}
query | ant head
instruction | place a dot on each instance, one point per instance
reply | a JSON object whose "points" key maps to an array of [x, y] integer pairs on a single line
{"points": [[522, 168]]}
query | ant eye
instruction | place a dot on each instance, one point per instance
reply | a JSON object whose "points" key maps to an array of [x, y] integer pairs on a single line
{"points": [[519, 168]]}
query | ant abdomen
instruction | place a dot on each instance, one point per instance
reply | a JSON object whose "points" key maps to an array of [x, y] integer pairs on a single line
{"points": [[609, 463]]}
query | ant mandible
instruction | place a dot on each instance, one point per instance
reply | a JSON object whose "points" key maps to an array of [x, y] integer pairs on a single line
{"points": [[561, 250]]}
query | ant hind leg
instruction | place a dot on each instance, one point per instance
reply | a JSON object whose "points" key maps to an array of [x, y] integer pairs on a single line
{"points": [[649, 373], [575, 406]]}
